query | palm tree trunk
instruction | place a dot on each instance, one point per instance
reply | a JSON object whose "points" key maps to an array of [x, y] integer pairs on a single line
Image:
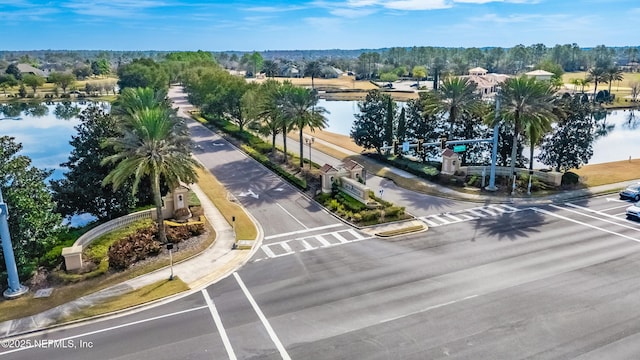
{"points": [[273, 143], [157, 200], [514, 148], [301, 150], [284, 142]]}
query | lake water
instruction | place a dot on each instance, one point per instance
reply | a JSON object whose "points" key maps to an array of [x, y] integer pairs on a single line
{"points": [[44, 131], [620, 139]]}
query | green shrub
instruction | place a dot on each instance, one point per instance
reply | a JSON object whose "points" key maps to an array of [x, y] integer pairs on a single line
{"points": [[350, 203], [570, 178], [394, 211], [133, 248], [370, 215]]}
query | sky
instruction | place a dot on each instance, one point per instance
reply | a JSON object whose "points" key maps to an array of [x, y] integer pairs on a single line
{"points": [[257, 25]]}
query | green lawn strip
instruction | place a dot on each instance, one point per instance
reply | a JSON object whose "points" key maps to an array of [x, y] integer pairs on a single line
{"points": [[151, 292]]}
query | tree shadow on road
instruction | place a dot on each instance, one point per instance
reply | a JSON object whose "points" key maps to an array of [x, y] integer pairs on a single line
{"points": [[510, 226]]}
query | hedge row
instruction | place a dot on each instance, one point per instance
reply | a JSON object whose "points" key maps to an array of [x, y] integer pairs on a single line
{"points": [[300, 183]]}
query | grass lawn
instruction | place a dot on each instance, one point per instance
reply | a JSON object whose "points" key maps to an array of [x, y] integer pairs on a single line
{"points": [[155, 291], [609, 173]]}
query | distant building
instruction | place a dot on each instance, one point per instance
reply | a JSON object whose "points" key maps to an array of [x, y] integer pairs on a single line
{"points": [[28, 69], [540, 75], [486, 82]]}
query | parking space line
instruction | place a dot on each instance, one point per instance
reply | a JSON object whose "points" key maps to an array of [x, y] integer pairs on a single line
{"points": [[263, 319], [218, 321]]}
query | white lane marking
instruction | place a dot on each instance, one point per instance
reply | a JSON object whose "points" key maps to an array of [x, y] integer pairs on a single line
{"points": [[444, 221], [303, 231], [265, 322], [323, 241], [477, 213], [614, 216], [429, 222], [597, 218], [340, 238], [510, 208], [294, 218], [468, 217], [268, 251], [456, 219], [427, 309], [286, 247], [306, 245], [616, 207], [485, 210], [584, 224], [218, 321], [355, 234], [497, 208], [615, 200], [110, 328]]}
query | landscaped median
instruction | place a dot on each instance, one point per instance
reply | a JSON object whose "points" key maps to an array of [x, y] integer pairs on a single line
{"points": [[396, 229]]}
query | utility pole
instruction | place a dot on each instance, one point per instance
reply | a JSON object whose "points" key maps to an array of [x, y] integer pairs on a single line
{"points": [[15, 288]]}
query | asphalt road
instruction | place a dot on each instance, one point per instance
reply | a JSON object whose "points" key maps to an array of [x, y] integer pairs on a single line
{"points": [[552, 281]]}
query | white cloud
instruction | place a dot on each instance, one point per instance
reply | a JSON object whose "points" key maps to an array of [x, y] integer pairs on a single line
{"points": [[113, 8], [416, 4], [274, 9], [352, 13]]}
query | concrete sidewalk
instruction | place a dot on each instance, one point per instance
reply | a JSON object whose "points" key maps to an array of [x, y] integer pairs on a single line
{"points": [[215, 263]]}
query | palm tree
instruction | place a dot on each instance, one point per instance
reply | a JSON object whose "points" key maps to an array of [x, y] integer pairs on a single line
{"points": [[613, 74], [457, 97], [155, 144], [597, 75], [133, 100], [268, 110], [299, 108], [527, 103], [313, 69]]}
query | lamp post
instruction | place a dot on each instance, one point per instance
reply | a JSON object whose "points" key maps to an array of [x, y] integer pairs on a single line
{"points": [[309, 141], [15, 288], [170, 248]]}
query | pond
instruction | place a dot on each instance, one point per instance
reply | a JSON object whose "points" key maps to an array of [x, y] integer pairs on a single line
{"points": [[44, 129], [617, 130]]}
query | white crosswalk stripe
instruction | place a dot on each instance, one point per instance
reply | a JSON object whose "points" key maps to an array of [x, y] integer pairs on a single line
{"points": [[286, 247], [467, 214]]}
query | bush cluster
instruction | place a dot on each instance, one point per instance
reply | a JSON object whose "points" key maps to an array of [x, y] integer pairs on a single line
{"points": [[133, 248], [180, 233]]}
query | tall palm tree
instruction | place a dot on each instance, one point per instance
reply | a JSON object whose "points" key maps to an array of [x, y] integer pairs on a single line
{"points": [[268, 110], [155, 144], [457, 97], [299, 107], [527, 103], [313, 69], [613, 74], [597, 75]]}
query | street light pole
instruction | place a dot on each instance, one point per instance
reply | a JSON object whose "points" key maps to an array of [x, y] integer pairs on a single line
{"points": [[15, 288], [309, 141]]}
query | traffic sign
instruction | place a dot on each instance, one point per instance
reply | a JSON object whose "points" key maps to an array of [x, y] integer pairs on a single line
{"points": [[459, 148]]}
